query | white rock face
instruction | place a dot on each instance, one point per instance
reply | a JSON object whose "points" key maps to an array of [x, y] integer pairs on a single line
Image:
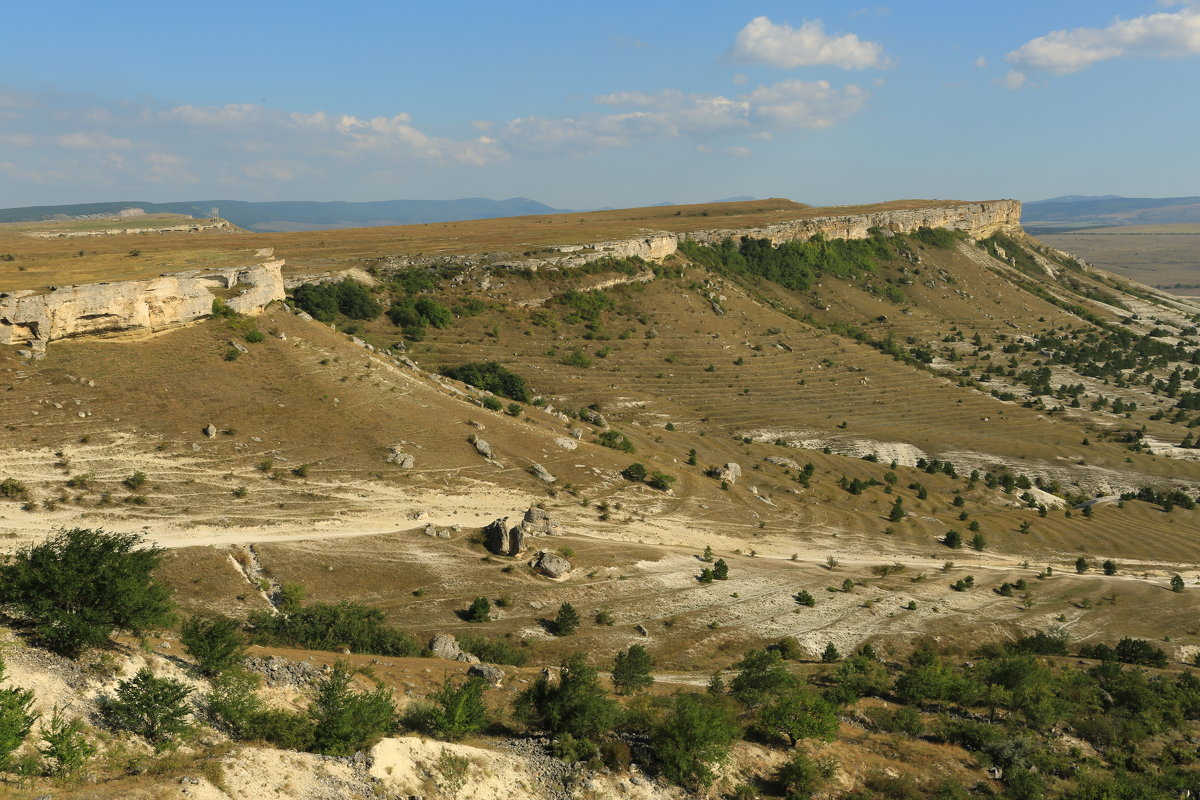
{"points": [[149, 304]]}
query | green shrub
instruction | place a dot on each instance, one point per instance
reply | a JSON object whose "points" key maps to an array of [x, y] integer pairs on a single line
{"points": [[479, 611], [634, 472], [135, 481], [577, 358], [566, 621], [16, 720], [661, 481], [334, 627], [255, 336], [324, 301], [695, 734], [494, 650], [458, 710], [80, 585], [154, 708], [13, 489], [492, 377], [575, 704], [216, 643], [801, 777], [64, 746], [346, 720], [615, 440]]}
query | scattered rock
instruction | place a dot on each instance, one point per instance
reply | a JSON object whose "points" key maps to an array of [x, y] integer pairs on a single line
{"points": [[550, 564], [782, 462], [489, 672], [241, 348], [279, 671], [642, 630], [567, 444], [576, 433], [210, 430], [397, 456], [541, 473], [482, 447]]}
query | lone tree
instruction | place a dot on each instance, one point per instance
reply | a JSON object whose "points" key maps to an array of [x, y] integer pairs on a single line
{"points": [[720, 570], [80, 585], [897, 512], [952, 539], [1110, 567], [708, 554], [1081, 565], [480, 610], [460, 710], [978, 542], [631, 670], [346, 720], [567, 620], [1176, 583]]}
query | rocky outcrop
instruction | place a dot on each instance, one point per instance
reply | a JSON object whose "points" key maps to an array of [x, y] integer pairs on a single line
{"points": [[538, 522], [489, 672], [498, 538], [446, 646], [150, 304], [397, 456], [188, 227]]}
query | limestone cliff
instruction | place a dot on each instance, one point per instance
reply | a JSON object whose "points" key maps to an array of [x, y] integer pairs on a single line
{"points": [[151, 304], [978, 220]]}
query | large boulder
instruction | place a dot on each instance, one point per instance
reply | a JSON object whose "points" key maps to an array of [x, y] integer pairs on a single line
{"points": [[489, 672], [550, 564], [483, 448], [502, 540], [729, 473], [538, 522], [446, 646], [541, 473]]}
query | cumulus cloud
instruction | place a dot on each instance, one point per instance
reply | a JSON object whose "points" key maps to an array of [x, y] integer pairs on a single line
{"points": [[780, 45], [1161, 35], [1012, 80], [92, 140], [740, 152]]}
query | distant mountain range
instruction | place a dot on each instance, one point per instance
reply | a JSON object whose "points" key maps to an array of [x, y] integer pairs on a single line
{"points": [[303, 215], [1072, 212]]}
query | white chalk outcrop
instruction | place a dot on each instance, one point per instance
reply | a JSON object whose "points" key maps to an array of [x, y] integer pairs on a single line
{"points": [[149, 304]]}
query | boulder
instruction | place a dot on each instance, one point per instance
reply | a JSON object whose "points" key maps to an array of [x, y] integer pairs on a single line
{"points": [[241, 348], [576, 433], [729, 473], [566, 444], [446, 646], [498, 538], [541, 473], [780, 461], [550, 564], [538, 522], [489, 672], [397, 456], [642, 630], [483, 448], [595, 418], [210, 430]]}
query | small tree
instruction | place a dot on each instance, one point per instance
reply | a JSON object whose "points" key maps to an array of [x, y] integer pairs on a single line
{"points": [[460, 710], [708, 555], [631, 670], [694, 734], [346, 720], [216, 643], [831, 654], [705, 576], [64, 746], [16, 719], [566, 621], [1110, 567], [798, 713], [804, 598], [761, 676], [635, 472], [80, 585], [1081, 565], [978, 542], [801, 777], [1177, 583], [720, 570], [576, 704], [952, 539], [480, 610], [897, 512], [154, 708]]}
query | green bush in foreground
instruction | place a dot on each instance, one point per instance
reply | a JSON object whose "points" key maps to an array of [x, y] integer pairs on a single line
{"points": [[216, 643], [154, 708], [335, 627], [346, 720], [80, 585]]}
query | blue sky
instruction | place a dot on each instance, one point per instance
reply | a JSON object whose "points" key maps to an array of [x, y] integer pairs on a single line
{"points": [[589, 105]]}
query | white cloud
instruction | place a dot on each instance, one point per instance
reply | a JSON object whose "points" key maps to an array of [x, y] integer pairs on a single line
{"points": [[92, 140], [981, 62], [780, 45], [740, 152], [1162, 35], [804, 104], [1013, 80]]}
